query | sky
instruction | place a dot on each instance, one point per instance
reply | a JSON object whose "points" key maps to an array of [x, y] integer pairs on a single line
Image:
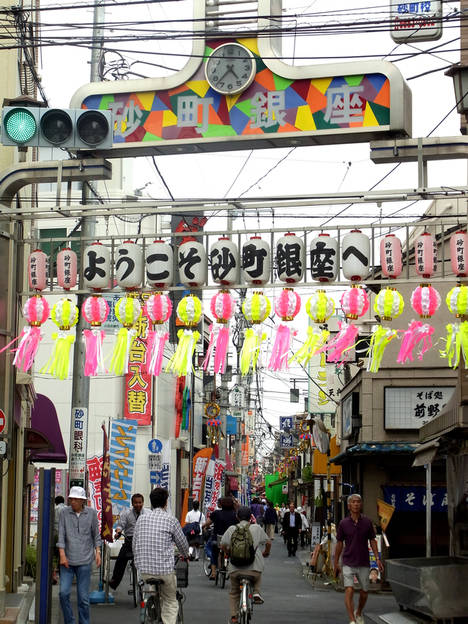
{"points": [[324, 33]]}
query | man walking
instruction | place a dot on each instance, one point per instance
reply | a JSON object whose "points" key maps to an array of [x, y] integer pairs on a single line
{"points": [[154, 538], [78, 543], [292, 524], [261, 546], [126, 525], [355, 531]]}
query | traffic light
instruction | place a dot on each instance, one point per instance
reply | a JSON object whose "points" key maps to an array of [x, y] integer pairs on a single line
{"points": [[56, 127]]}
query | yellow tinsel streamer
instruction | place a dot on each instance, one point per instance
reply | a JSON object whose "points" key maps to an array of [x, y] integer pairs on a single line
{"points": [[121, 352], [181, 362], [314, 341], [456, 343], [251, 350], [59, 362], [379, 341]]}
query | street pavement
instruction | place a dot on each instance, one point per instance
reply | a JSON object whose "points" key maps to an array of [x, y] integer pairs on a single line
{"points": [[290, 597]]}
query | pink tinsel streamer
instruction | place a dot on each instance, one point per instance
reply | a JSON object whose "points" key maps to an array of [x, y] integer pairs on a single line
{"points": [[30, 338], [345, 339], [94, 360], [279, 354], [216, 352], [157, 339], [416, 333]]}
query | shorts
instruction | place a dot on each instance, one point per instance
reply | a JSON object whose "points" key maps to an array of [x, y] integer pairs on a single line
{"points": [[362, 574]]}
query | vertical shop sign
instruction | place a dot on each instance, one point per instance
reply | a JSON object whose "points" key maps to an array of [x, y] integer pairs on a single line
{"points": [[200, 463], [94, 466], [162, 476], [218, 478], [122, 460], [78, 446], [138, 389]]}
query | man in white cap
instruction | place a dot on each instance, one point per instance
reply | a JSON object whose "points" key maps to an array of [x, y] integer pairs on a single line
{"points": [[78, 543]]}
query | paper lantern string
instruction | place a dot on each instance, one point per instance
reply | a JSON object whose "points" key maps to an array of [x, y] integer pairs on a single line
{"points": [[287, 306], [158, 309], [339, 348], [417, 333], [95, 310], [65, 315], [456, 344], [36, 312], [250, 357], [313, 344], [181, 362], [378, 343]]}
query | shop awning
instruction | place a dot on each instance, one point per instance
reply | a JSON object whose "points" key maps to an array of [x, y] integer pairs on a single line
{"points": [[278, 482], [374, 448], [44, 421], [425, 453]]}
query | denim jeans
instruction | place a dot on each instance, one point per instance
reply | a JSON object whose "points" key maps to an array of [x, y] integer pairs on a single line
{"points": [[83, 579]]}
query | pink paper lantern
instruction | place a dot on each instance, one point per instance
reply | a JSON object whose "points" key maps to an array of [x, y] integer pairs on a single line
{"points": [[391, 256], [158, 308], [223, 306], [425, 255], [425, 300], [36, 312], [458, 253], [288, 304], [38, 267], [67, 268], [95, 310], [355, 302]]}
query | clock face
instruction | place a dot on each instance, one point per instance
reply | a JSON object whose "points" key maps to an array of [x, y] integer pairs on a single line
{"points": [[230, 68]]}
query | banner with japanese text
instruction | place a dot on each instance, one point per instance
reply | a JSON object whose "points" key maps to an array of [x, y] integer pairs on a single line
{"points": [[106, 502], [200, 464], [162, 476], [138, 383], [216, 485], [209, 482], [413, 498], [94, 467], [122, 461]]}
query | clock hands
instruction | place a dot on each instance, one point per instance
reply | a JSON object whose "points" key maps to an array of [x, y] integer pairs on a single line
{"points": [[231, 71]]}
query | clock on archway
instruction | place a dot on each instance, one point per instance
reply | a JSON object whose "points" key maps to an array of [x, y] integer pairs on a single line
{"points": [[230, 68]]}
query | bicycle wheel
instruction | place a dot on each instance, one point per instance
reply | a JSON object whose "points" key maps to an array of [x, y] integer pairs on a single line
{"points": [[223, 579], [180, 612], [134, 574], [206, 564], [218, 577], [152, 611]]}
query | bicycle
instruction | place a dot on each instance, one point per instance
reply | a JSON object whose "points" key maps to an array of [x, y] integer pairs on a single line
{"points": [[221, 570], [133, 581], [246, 601], [150, 602], [206, 559]]}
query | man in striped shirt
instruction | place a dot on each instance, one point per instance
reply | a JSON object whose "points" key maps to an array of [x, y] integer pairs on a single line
{"points": [[154, 538]]}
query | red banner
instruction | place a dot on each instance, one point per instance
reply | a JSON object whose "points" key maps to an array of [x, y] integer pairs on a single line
{"points": [[138, 388], [106, 501], [200, 464]]}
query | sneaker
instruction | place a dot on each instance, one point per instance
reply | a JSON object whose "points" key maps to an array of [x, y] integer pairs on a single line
{"points": [[359, 618], [258, 599]]}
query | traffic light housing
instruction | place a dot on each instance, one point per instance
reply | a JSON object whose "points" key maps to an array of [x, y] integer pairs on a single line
{"points": [[56, 127]]}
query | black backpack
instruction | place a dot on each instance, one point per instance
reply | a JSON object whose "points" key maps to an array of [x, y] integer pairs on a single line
{"points": [[242, 548]]}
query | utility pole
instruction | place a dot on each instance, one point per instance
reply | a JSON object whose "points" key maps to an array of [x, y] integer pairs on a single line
{"points": [[80, 383]]}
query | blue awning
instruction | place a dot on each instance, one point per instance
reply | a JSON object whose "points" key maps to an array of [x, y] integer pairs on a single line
{"points": [[45, 421]]}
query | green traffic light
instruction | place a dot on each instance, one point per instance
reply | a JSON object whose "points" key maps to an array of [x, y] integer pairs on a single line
{"points": [[20, 125]]}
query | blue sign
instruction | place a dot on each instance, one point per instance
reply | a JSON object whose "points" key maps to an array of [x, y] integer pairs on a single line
{"points": [[407, 498], [286, 422], [231, 424], [286, 440], [155, 446]]}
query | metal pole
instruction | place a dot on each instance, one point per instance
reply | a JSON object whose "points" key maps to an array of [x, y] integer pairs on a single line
{"points": [[80, 387], [428, 508]]}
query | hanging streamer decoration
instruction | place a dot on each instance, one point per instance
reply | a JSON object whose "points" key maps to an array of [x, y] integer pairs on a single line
{"points": [[315, 340], [127, 311], [388, 305], [354, 303], [256, 308], [158, 309], [425, 301], [36, 312], [95, 310], [189, 312], [65, 315], [222, 307], [457, 333], [287, 306]]}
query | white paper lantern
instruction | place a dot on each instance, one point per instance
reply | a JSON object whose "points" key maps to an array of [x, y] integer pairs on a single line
{"points": [[324, 258], [38, 269], [355, 255], [159, 261], [459, 253], [96, 266], [256, 261], [129, 265], [425, 255], [224, 260], [391, 256], [290, 258], [191, 261], [67, 264]]}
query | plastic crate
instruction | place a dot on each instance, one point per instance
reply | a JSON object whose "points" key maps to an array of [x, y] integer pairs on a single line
{"points": [[181, 570]]}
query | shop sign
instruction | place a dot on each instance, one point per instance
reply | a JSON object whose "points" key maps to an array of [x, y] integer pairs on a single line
{"points": [[416, 21], [413, 498], [78, 446], [138, 383], [413, 407], [122, 462]]}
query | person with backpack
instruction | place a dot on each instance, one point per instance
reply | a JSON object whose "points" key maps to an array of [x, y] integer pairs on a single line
{"points": [[194, 520], [220, 519], [246, 545]]}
